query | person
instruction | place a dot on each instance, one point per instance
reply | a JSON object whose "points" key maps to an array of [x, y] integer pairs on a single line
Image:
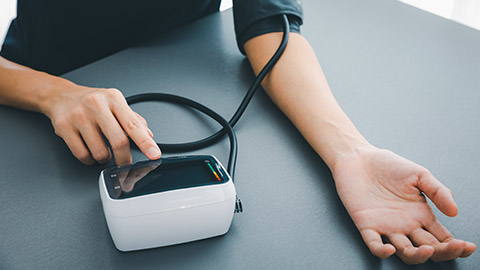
{"points": [[382, 192]]}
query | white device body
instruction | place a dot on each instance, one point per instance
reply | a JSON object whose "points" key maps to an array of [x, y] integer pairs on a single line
{"points": [[169, 217]]}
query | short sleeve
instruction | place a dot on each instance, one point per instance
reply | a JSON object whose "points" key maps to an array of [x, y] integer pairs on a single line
{"points": [[256, 17]]}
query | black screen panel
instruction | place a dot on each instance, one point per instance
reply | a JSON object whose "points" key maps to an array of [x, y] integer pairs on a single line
{"points": [[157, 177]]}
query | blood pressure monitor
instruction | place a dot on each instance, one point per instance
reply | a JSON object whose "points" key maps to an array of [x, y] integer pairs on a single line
{"points": [[178, 199], [167, 201]]}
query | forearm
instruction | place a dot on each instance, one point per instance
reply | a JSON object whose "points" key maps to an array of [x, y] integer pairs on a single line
{"points": [[382, 192], [299, 88], [82, 116], [27, 89]]}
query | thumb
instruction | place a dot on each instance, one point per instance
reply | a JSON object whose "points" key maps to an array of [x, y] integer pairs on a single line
{"points": [[440, 195]]}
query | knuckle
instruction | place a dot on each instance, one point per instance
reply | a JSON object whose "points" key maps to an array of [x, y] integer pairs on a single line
{"points": [[120, 142], [101, 155], [78, 115], [424, 171], [132, 125], [60, 124], [405, 252], [94, 99], [83, 156], [114, 93]]}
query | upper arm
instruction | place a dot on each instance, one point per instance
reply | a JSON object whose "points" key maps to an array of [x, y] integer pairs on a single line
{"points": [[257, 17]]}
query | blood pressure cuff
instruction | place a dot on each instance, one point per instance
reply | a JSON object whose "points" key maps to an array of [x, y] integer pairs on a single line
{"points": [[257, 17]]}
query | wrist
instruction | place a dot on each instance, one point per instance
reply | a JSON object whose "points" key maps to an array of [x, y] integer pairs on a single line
{"points": [[354, 155], [338, 142], [50, 93]]}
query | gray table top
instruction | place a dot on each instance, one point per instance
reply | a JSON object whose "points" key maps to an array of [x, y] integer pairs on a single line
{"points": [[408, 79]]}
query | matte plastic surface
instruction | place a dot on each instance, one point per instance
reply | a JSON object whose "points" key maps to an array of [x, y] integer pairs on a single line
{"points": [[169, 217]]}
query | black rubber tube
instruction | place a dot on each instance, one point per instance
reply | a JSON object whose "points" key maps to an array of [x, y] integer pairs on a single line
{"points": [[227, 126], [201, 108]]}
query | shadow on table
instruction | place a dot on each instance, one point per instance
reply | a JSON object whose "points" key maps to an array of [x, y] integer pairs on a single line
{"points": [[181, 256]]}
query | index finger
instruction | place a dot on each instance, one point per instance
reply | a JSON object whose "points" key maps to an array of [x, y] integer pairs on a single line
{"points": [[136, 130]]}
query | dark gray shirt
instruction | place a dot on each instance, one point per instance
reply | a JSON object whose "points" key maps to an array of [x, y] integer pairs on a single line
{"points": [[58, 36]]}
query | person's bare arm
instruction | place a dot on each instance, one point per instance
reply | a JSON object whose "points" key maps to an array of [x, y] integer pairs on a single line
{"points": [[381, 191], [80, 115]]}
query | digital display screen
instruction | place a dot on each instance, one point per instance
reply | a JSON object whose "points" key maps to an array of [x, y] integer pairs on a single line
{"points": [[153, 177]]}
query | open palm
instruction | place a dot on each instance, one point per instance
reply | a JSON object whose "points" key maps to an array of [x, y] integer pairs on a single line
{"points": [[384, 195]]}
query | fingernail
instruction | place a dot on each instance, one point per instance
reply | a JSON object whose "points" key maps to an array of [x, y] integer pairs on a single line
{"points": [[153, 152]]}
